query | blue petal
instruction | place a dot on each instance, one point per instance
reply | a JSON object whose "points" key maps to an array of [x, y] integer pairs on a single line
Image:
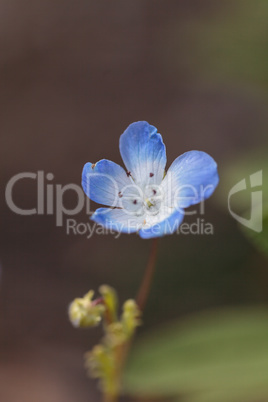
{"points": [[103, 181], [144, 153], [166, 227], [117, 220], [191, 178]]}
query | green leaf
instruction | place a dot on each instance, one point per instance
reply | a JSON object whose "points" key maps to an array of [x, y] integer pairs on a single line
{"points": [[242, 167], [260, 240], [218, 356]]}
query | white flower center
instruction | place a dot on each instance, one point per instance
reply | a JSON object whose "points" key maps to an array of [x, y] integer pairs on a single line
{"points": [[138, 202]]}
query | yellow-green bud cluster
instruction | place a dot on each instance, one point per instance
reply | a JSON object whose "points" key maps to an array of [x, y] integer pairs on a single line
{"points": [[105, 359], [83, 313]]}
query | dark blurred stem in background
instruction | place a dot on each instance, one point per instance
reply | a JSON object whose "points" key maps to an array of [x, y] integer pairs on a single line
{"points": [[148, 276], [110, 398]]}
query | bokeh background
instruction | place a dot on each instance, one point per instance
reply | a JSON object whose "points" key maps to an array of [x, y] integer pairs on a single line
{"points": [[74, 75]]}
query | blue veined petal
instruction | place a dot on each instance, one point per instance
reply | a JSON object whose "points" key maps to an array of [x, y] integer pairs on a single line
{"points": [[103, 181], [165, 227], [191, 178], [118, 220], [144, 153]]}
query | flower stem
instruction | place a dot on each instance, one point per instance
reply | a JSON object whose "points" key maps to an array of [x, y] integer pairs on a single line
{"points": [[148, 276], [141, 300]]}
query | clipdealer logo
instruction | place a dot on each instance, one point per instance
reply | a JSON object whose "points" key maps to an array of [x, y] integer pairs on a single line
{"points": [[50, 201], [50, 198]]}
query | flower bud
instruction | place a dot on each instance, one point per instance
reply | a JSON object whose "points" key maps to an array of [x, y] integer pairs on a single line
{"points": [[84, 313], [130, 317], [110, 300]]}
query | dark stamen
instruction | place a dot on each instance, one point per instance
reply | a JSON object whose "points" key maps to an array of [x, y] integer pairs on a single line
{"points": [[151, 174], [135, 202], [154, 192], [120, 195]]}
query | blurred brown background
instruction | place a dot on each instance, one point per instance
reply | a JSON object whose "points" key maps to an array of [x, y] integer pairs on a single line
{"points": [[74, 75]]}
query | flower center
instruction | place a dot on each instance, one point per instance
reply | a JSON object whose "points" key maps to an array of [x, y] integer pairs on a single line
{"points": [[149, 202], [137, 201]]}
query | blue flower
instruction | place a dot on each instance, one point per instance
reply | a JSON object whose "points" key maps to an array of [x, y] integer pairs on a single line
{"points": [[144, 198]]}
